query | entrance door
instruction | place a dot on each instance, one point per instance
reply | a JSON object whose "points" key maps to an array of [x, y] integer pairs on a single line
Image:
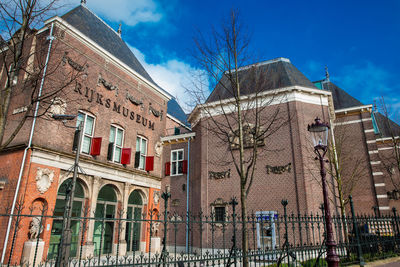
{"points": [[134, 223]]}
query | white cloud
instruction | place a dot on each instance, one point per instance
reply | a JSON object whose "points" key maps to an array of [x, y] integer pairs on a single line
{"points": [[367, 80], [172, 75], [126, 11]]}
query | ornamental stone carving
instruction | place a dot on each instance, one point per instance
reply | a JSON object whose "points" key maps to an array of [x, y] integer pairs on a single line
{"points": [[156, 197], [279, 169], [108, 85], [58, 106], [250, 135], [156, 113], [158, 149], [44, 178], [80, 68], [35, 228], [219, 175]]}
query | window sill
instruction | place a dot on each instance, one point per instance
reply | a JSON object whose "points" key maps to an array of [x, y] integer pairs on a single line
{"points": [[117, 163], [179, 174]]}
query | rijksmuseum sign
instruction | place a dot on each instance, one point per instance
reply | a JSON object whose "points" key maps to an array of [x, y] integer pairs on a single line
{"points": [[93, 96], [96, 97]]}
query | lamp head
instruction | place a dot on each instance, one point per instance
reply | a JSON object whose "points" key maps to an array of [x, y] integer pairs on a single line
{"points": [[319, 133]]}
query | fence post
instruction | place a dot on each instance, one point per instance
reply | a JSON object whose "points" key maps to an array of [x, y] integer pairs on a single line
{"points": [[284, 203], [233, 202], [355, 229], [165, 195], [395, 221]]}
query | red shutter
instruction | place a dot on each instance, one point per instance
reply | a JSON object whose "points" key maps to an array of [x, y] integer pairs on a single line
{"points": [[167, 168], [126, 156], [96, 146], [149, 163], [184, 166]]}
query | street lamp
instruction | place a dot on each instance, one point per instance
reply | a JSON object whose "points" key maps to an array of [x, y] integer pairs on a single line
{"points": [[65, 241], [319, 133]]}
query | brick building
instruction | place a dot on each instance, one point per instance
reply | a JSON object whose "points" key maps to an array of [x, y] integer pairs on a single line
{"points": [[123, 113], [366, 141], [286, 168]]}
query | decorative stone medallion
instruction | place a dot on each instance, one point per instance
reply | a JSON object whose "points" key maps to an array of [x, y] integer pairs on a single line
{"points": [[44, 178]]}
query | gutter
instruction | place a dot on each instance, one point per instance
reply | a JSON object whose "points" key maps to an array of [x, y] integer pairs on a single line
{"points": [[21, 171]]}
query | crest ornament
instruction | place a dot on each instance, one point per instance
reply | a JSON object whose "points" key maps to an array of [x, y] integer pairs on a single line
{"points": [[44, 178], [58, 106]]}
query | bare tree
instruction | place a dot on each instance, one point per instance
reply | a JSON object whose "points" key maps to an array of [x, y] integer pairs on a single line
{"points": [[391, 132], [24, 58], [346, 167], [241, 116]]}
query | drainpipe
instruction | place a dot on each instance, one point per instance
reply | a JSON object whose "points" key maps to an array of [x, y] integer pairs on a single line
{"points": [[21, 171], [187, 197], [336, 162]]}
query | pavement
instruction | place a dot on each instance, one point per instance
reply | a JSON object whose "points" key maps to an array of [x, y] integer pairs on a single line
{"points": [[391, 262]]}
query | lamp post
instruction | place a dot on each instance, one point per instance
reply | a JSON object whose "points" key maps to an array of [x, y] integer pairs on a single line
{"points": [[319, 134], [66, 235]]}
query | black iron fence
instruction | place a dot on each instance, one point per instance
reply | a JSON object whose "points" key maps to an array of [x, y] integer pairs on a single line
{"points": [[136, 238]]}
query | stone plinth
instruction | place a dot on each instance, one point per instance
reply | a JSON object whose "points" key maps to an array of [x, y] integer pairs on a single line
{"points": [[155, 244], [88, 250], [28, 254]]}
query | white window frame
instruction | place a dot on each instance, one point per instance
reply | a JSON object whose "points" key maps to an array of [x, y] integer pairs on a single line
{"points": [[177, 161], [142, 159], [113, 159], [90, 136], [271, 216]]}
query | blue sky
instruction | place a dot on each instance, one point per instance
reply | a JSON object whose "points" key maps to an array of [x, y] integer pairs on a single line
{"points": [[357, 40]]}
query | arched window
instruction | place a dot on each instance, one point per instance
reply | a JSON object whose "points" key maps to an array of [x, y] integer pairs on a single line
{"points": [[77, 207], [134, 225], [104, 225]]}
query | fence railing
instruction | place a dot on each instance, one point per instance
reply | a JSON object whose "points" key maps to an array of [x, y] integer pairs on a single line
{"points": [[112, 237]]}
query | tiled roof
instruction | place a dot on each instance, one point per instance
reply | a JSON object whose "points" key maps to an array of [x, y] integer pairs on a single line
{"points": [[175, 110], [98, 31], [386, 126], [341, 99], [277, 73]]}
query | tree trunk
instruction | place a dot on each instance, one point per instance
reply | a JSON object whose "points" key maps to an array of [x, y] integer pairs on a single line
{"points": [[245, 243]]}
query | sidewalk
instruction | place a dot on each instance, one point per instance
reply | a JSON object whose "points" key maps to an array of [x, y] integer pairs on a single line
{"points": [[391, 262]]}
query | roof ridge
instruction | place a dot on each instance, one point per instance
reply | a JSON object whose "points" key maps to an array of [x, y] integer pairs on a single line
{"points": [[101, 20], [266, 62]]}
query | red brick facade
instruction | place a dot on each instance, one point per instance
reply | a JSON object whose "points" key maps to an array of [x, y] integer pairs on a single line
{"points": [[109, 92]]}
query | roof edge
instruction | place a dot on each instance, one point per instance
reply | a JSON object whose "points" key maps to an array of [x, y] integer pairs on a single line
{"points": [[353, 108], [265, 93], [262, 63], [178, 121]]}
